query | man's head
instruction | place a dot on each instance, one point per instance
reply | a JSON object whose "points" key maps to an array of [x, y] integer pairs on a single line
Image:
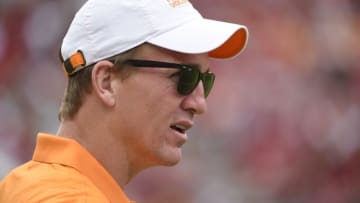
{"points": [[104, 29], [141, 70]]}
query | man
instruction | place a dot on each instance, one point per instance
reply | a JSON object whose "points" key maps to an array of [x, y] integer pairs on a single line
{"points": [[138, 74]]}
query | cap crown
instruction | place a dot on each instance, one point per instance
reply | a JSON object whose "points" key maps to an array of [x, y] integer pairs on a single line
{"points": [[101, 29]]}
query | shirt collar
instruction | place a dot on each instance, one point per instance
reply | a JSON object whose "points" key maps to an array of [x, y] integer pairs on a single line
{"points": [[68, 152]]}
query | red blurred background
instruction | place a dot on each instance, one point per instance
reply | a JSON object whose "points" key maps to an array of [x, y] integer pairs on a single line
{"points": [[284, 117]]}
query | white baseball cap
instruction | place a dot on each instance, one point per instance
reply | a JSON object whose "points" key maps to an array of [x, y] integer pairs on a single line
{"points": [[105, 28]]}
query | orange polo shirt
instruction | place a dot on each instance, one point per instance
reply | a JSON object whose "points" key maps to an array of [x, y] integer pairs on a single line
{"points": [[61, 170]]}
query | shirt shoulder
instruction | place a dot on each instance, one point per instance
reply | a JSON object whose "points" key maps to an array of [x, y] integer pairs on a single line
{"points": [[44, 182]]}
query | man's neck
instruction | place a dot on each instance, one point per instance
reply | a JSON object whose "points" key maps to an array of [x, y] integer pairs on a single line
{"points": [[100, 145]]}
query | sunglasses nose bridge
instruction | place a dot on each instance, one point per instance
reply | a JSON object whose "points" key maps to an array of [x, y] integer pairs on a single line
{"points": [[199, 88], [207, 80], [195, 101], [200, 82]]}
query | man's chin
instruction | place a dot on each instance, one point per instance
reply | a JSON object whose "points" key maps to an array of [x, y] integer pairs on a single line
{"points": [[172, 161]]}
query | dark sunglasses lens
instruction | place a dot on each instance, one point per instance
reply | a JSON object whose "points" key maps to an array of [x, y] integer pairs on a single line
{"points": [[208, 82], [188, 80]]}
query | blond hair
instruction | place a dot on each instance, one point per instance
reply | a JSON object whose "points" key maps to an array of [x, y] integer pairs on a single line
{"points": [[79, 85]]}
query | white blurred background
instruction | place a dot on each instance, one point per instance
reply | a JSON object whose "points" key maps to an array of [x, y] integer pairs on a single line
{"points": [[283, 124]]}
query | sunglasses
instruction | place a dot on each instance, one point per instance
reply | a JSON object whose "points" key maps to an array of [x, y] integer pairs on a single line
{"points": [[189, 75]]}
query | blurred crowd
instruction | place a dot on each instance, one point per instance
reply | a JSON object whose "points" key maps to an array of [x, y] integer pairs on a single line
{"points": [[283, 120]]}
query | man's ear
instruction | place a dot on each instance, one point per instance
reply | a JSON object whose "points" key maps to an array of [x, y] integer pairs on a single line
{"points": [[102, 77]]}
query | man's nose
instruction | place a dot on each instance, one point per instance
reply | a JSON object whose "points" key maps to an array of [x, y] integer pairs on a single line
{"points": [[196, 101]]}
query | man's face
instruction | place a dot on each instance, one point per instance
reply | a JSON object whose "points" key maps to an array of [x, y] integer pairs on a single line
{"points": [[152, 118]]}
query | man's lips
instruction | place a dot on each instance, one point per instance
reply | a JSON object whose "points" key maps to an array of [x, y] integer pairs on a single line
{"points": [[182, 126]]}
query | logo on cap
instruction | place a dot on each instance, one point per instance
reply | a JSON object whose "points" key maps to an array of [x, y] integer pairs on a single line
{"points": [[175, 3]]}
